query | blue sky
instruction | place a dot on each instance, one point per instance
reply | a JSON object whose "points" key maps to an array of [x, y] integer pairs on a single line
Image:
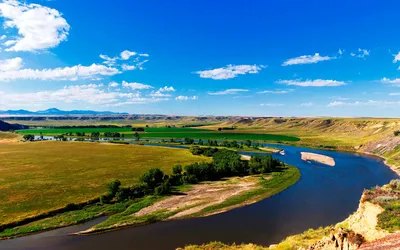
{"points": [[258, 58]]}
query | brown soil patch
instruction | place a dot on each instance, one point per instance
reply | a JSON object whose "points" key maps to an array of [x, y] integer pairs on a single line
{"points": [[201, 196]]}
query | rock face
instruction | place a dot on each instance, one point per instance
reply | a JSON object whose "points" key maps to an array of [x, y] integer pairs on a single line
{"points": [[364, 221], [339, 240]]}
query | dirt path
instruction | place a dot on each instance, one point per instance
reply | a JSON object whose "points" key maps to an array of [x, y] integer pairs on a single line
{"points": [[201, 196]]}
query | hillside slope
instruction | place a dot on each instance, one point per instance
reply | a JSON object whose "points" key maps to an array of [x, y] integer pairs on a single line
{"points": [[4, 126], [365, 135]]}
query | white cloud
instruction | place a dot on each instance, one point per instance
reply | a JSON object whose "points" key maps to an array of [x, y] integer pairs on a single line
{"points": [[228, 92], [110, 61], [9, 43], [395, 81], [113, 84], [396, 57], [361, 53], [312, 83], [307, 104], [307, 59], [68, 73], [139, 100], [340, 52], [94, 94], [11, 64], [161, 91], [230, 71], [394, 94], [39, 27], [277, 92], [135, 85], [366, 103], [90, 94], [127, 67], [271, 104], [167, 89], [139, 65], [186, 98], [3, 37], [126, 54]]}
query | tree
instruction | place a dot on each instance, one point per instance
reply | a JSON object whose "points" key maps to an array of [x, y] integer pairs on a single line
{"points": [[113, 187], [247, 143], [189, 141], [29, 137], [137, 136], [177, 169], [196, 150], [163, 189], [153, 177]]}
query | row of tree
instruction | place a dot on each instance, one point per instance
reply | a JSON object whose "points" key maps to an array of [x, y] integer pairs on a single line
{"points": [[113, 134], [225, 163], [224, 143]]}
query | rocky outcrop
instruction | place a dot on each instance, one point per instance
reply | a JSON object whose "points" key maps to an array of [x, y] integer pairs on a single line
{"points": [[364, 221], [339, 240]]}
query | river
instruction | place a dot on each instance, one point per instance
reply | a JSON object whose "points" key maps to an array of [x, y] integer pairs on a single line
{"points": [[323, 196]]}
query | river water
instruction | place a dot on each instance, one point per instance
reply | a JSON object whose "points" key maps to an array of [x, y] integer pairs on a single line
{"points": [[323, 196]]}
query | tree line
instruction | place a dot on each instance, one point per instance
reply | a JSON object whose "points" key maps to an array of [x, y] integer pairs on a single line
{"points": [[223, 143], [225, 163]]}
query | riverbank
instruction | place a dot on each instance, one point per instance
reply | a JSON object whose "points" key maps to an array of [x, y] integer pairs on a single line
{"points": [[204, 199], [375, 225], [198, 200]]}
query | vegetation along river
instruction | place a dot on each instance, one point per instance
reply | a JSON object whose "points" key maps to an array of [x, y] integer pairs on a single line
{"points": [[324, 195]]}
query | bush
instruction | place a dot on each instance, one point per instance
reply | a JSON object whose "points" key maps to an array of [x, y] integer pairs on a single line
{"points": [[163, 189], [396, 133], [395, 184], [177, 170], [196, 150], [113, 187], [29, 137], [191, 179], [106, 198], [153, 177]]}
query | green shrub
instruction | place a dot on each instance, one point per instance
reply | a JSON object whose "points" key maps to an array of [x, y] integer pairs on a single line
{"points": [[113, 187]]}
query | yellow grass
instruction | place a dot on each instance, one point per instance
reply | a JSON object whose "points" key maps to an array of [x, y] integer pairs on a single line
{"points": [[37, 177]]}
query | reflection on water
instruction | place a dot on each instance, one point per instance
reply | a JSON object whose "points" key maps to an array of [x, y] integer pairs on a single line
{"points": [[323, 196]]}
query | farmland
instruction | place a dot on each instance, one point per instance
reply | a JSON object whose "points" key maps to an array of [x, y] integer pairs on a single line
{"points": [[168, 132], [43, 176]]}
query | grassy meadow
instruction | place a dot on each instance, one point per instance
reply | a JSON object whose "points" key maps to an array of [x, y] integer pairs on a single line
{"points": [[39, 177]]}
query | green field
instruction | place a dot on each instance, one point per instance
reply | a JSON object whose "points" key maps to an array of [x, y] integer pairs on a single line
{"points": [[39, 177], [222, 135], [166, 133]]}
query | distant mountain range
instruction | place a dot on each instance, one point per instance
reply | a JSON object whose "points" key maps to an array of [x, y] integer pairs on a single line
{"points": [[54, 111]]}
